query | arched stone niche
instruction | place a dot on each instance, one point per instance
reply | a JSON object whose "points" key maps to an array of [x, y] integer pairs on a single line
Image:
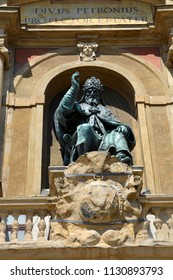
{"points": [[30, 145], [118, 94]]}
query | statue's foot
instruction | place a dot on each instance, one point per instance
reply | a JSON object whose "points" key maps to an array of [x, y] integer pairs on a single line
{"points": [[124, 158], [127, 160]]}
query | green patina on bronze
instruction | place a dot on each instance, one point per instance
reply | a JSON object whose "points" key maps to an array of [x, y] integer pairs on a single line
{"points": [[88, 125]]}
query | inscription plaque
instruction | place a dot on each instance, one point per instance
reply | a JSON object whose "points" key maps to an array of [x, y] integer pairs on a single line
{"points": [[90, 13]]}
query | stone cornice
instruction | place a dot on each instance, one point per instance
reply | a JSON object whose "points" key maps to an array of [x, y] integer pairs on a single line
{"points": [[154, 100], [50, 35], [21, 2], [30, 101], [27, 203], [54, 250]]}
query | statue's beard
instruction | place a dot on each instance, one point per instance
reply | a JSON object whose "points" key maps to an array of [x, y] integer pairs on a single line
{"points": [[92, 102]]}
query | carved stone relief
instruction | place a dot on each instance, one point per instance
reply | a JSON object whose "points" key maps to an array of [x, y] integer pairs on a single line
{"points": [[98, 203], [87, 51], [163, 224], [161, 234], [170, 227], [142, 234]]}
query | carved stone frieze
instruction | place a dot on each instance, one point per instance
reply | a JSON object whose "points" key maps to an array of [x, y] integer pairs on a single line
{"points": [[98, 203]]}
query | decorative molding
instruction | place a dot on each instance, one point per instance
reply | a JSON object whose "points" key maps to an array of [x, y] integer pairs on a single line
{"points": [[22, 2], [24, 102], [29, 101], [154, 100]]}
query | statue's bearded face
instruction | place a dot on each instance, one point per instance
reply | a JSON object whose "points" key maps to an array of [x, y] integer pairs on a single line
{"points": [[92, 96]]}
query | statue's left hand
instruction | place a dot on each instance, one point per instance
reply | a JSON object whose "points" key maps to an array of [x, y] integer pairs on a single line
{"points": [[122, 129]]}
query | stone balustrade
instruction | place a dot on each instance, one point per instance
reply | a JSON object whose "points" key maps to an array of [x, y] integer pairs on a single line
{"points": [[28, 219], [25, 219], [159, 211], [25, 230]]}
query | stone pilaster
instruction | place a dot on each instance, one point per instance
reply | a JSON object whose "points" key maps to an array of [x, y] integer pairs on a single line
{"points": [[4, 64]]}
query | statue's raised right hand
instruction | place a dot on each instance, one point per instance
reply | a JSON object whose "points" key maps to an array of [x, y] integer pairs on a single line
{"points": [[75, 81]]}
